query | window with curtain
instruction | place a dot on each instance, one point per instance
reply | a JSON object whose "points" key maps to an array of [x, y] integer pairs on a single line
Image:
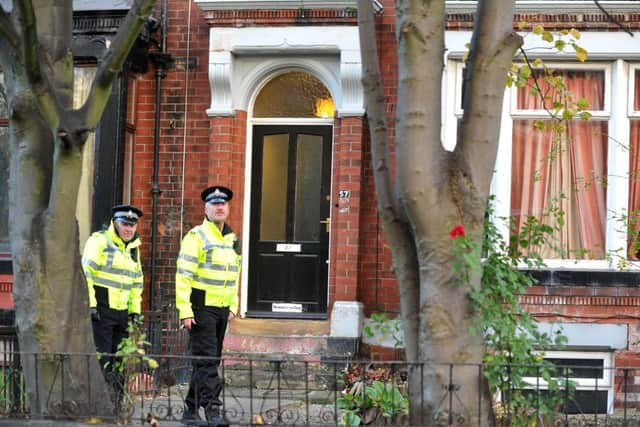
{"points": [[633, 240], [559, 177], [129, 138]]}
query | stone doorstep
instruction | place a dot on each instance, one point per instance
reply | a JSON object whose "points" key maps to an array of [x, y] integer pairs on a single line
{"points": [[248, 327]]}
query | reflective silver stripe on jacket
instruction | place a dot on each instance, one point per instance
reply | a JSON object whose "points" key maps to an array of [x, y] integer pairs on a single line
{"points": [[112, 270], [218, 267], [113, 284], [188, 258], [185, 272], [213, 282], [207, 245]]}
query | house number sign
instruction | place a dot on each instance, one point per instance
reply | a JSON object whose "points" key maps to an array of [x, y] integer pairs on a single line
{"points": [[344, 194], [288, 247]]}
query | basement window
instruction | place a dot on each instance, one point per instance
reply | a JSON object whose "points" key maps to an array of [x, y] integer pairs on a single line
{"points": [[592, 374]]}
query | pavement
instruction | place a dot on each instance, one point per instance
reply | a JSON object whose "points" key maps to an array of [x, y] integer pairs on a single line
{"points": [[259, 408], [64, 423]]}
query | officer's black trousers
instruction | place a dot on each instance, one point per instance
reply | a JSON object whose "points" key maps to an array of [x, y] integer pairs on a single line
{"points": [[206, 338], [107, 333]]}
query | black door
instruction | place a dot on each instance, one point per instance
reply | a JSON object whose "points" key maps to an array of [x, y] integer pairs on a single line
{"points": [[289, 221]]}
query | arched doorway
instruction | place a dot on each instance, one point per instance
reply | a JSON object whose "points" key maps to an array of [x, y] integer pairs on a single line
{"points": [[290, 198]]}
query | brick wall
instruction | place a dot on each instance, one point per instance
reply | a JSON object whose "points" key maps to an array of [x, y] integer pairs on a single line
{"points": [[197, 150], [184, 153]]}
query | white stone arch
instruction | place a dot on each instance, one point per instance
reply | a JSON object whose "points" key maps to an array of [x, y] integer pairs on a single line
{"points": [[241, 58]]}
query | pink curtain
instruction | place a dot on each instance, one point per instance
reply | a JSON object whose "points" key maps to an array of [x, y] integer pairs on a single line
{"points": [[634, 177], [566, 171]]}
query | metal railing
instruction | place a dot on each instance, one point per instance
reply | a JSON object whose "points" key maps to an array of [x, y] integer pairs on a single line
{"points": [[281, 391]]}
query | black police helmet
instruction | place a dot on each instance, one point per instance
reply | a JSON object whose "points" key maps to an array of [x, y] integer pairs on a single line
{"points": [[127, 214], [216, 194]]}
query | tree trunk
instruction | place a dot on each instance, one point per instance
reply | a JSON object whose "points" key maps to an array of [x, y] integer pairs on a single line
{"points": [[437, 190], [49, 289], [46, 137], [453, 385]]}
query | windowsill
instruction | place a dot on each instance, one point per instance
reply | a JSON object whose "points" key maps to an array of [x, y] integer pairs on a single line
{"points": [[585, 265], [584, 277]]}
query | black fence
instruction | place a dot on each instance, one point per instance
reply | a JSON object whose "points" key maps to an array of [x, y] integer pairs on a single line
{"points": [[265, 391]]}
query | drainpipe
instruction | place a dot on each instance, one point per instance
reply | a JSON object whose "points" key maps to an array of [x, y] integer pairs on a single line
{"points": [[162, 61]]}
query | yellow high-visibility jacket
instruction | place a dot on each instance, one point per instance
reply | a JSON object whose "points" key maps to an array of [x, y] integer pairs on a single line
{"points": [[108, 262], [209, 260]]}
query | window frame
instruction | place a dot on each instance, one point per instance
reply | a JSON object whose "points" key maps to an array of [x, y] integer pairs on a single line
{"points": [[618, 74], [585, 384], [633, 68], [603, 114]]}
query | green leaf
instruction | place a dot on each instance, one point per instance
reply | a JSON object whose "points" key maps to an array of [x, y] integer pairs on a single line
{"points": [[509, 82], [583, 103], [524, 72], [368, 331], [568, 114], [585, 115]]}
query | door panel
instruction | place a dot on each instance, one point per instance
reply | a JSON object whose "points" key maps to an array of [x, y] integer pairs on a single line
{"points": [[289, 239], [304, 266]]}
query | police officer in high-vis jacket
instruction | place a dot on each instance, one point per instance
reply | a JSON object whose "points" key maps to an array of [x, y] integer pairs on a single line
{"points": [[112, 267], [207, 274]]}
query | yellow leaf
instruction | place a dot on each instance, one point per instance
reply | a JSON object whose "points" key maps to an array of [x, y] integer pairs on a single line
{"points": [[522, 25], [509, 80], [538, 29], [581, 53], [575, 33], [153, 363]]}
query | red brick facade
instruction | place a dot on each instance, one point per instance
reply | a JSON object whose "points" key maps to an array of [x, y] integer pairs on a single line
{"points": [[197, 150]]}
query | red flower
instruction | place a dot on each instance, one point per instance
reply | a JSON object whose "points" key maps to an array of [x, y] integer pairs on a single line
{"points": [[457, 231]]}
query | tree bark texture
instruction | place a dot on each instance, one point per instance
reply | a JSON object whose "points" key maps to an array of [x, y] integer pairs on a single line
{"points": [[437, 190], [46, 137]]}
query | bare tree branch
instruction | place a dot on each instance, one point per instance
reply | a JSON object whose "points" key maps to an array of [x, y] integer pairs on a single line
{"points": [[7, 30], [40, 85], [536, 84], [113, 60], [611, 19], [396, 229]]}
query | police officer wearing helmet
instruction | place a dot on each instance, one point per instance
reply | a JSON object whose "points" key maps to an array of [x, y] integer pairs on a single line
{"points": [[112, 268], [208, 268]]}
